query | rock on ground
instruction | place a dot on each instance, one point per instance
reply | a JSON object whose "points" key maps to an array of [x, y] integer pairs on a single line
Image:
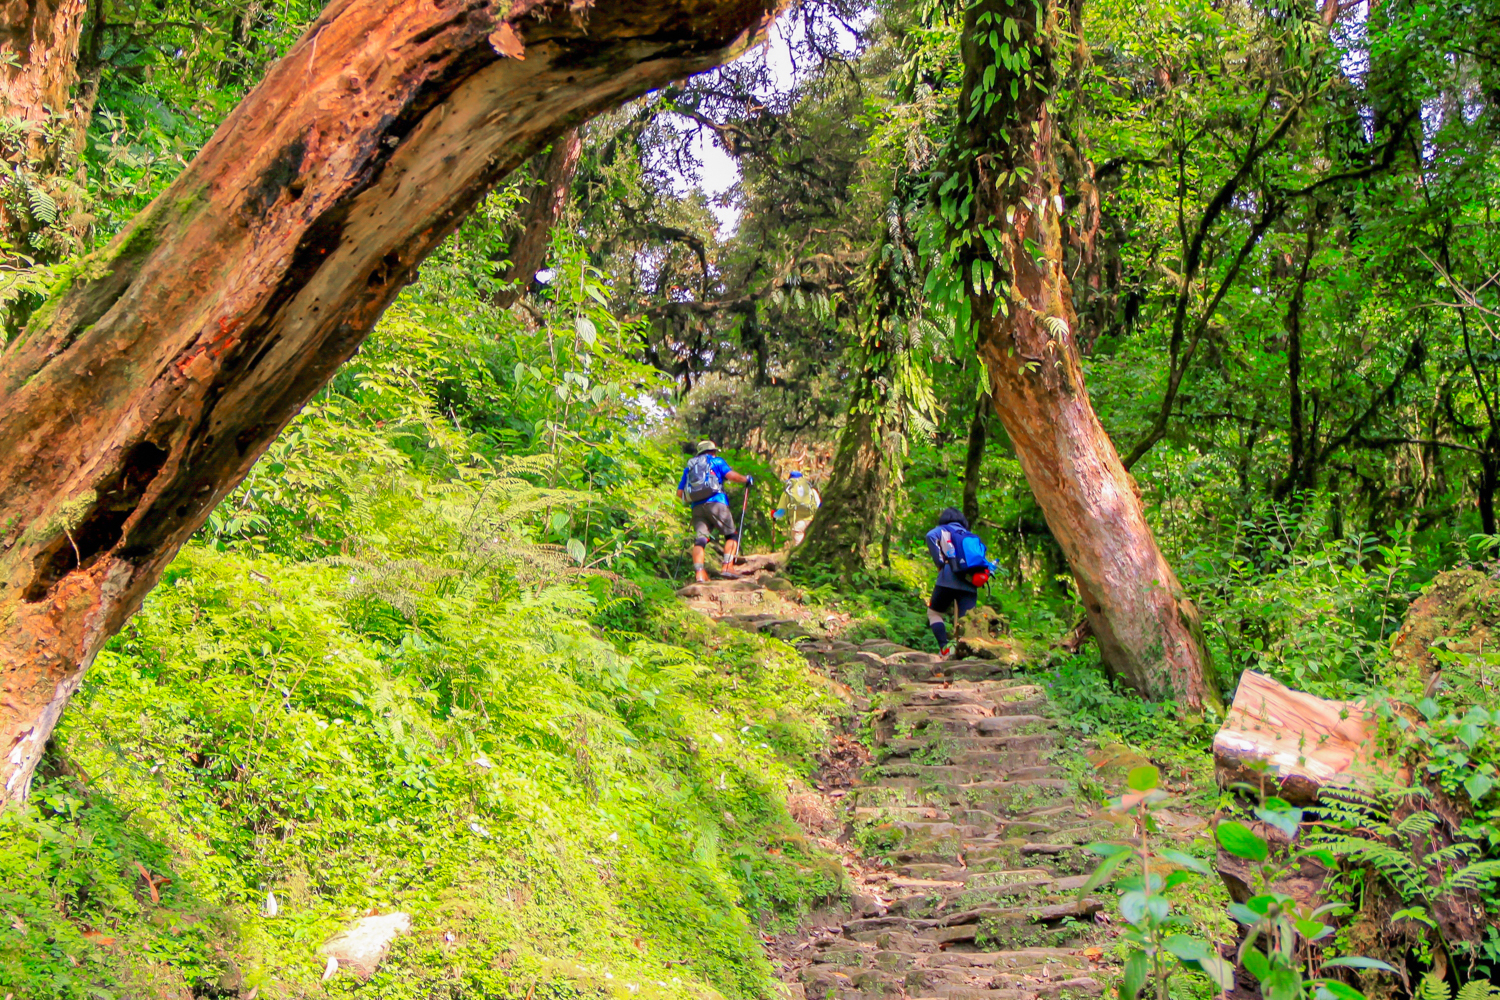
{"points": [[364, 946]]}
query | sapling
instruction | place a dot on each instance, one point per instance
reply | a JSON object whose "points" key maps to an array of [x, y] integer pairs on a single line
{"points": [[1279, 931], [1158, 948]]}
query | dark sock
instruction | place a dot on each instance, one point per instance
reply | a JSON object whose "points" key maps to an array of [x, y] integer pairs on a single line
{"points": [[940, 629]]}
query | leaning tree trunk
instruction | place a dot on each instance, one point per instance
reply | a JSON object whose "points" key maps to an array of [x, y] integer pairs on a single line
{"points": [[549, 196], [1148, 631], [142, 393], [41, 91]]}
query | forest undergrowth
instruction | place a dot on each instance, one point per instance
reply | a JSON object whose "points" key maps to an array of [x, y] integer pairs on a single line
{"points": [[369, 686], [428, 656]]}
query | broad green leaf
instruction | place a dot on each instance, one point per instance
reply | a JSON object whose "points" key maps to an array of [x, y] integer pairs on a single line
{"points": [[1478, 786], [1313, 930], [1136, 968], [576, 550], [1257, 964], [1243, 913], [1332, 989], [1133, 906], [1185, 947], [1183, 860], [1108, 850], [1285, 820], [1104, 872], [1217, 969], [1358, 962], [1177, 878], [1282, 984], [1142, 779], [1320, 854], [1239, 840]]}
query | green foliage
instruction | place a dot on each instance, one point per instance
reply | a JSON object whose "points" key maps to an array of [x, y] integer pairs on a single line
{"points": [[1280, 933], [1414, 855], [1155, 942], [403, 668]]}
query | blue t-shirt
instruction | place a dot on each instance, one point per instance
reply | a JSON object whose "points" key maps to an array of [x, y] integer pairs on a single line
{"points": [[721, 469]]}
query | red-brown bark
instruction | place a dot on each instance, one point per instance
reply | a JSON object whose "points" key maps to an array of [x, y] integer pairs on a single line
{"points": [[544, 207], [139, 396], [42, 90], [1147, 629]]}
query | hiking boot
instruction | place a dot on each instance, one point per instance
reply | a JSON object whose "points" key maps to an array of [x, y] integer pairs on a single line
{"points": [[728, 574], [946, 652], [700, 574]]}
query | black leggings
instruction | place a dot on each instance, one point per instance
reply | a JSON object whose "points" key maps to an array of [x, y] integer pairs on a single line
{"points": [[942, 601], [943, 598]]}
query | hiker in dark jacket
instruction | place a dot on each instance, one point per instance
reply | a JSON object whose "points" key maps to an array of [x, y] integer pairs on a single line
{"points": [[702, 485], [950, 589]]}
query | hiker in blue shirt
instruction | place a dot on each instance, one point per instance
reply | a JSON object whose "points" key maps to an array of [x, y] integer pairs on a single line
{"points": [[951, 589], [702, 485]]}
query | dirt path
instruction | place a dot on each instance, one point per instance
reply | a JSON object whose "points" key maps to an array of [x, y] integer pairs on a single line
{"points": [[968, 887]]}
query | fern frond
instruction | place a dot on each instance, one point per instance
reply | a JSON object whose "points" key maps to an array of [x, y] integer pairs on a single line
{"points": [[1450, 854], [1479, 989], [43, 208], [1472, 877], [1404, 875], [1417, 824], [1433, 988]]}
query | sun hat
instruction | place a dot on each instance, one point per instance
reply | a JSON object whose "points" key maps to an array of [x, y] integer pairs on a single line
{"points": [[706, 446]]}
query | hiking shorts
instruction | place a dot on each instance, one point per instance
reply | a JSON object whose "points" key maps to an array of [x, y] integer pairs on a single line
{"points": [[713, 517], [943, 598]]}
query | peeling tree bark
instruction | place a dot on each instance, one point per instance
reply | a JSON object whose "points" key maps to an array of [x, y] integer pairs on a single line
{"points": [[544, 207], [41, 88], [141, 394], [1148, 631]]}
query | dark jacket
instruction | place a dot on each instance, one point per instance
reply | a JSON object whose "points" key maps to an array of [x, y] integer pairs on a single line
{"points": [[946, 577]]}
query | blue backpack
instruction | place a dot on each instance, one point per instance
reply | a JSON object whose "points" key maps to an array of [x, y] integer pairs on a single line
{"points": [[702, 480], [967, 556]]}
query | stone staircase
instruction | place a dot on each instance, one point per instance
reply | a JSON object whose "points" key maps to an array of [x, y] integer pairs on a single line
{"points": [[964, 842]]}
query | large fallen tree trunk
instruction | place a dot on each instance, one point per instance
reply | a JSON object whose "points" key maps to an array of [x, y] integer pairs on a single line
{"points": [[145, 389], [1293, 744]]}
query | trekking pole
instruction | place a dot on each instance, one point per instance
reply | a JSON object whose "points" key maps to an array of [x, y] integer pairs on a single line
{"points": [[744, 528]]}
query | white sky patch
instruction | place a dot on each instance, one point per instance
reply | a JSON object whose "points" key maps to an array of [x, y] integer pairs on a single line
{"points": [[718, 172]]}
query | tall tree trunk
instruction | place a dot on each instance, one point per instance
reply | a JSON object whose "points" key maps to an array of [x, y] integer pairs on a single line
{"points": [[974, 460], [1302, 465], [1012, 262], [1489, 481], [856, 499], [42, 90], [143, 392], [549, 196]]}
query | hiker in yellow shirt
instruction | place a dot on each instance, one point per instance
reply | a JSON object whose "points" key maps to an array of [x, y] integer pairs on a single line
{"points": [[800, 501]]}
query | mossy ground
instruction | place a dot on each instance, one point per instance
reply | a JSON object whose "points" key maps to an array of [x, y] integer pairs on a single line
{"points": [[572, 792]]}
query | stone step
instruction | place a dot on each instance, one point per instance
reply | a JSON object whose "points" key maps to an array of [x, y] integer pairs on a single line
{"points": [[954, 774], [952, 670], [964, 925], [977, 743]]}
